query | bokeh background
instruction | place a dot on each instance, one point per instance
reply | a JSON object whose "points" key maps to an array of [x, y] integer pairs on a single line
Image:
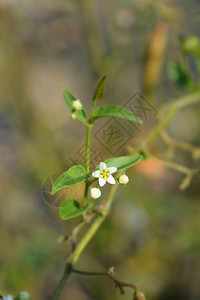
{"points": [[152, 235]]}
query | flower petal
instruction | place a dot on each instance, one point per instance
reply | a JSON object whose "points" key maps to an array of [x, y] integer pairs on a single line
{"points": [[112, 170], [96, 174], [111, 179], [102, 181], [102, 166]]}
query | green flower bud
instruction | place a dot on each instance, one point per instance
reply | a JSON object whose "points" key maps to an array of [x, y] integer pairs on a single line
{"points": [[24, 295], [77, 105], [139, 296], [95, 193], [74, 116], [123, 179]]}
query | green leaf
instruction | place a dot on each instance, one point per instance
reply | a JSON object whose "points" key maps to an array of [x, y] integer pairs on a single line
{"points": [[70, 208], [99, 89], [69, 98], [181, 77], [112, 110], [122, 162], [81, 114], [191, 45], [75, 174]]}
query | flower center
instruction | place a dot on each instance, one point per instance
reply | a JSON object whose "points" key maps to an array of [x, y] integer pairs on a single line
{"points": [[104, 174]]}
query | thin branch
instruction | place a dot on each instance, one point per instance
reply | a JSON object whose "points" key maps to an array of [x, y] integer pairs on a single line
{"points": [[98, 220], [171, 142], [85, 123], [189, 173], [73, 235], [166, 113], [177, 167], [62, 282], [181, 102], [109, 275]]}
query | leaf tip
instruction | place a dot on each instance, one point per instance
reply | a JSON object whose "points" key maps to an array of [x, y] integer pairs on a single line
{"points": [[53, 190]]}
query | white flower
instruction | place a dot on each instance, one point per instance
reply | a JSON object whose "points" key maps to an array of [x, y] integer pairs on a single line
{"points": [[77, 105], [95, 193], [104, 174], [123, 179]]}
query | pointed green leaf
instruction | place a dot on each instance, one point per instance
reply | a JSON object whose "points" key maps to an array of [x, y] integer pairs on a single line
{"points": [[181, 77], [99, 89], [69, 98], [122, 162], [117, 111], [75, 174], [70, 208]]}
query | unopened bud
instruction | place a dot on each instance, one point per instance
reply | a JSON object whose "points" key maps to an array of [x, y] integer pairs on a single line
{"points": [[73, 116], [111, 271], [77, 105], [140, 296], [95, 193], [123, 179], [24, 295], [61, 239]]}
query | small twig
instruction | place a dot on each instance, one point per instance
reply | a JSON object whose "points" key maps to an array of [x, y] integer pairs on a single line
{"points": [[85, 123], [177, 167], [189, 173], [120, 285], [166, 113], [171, 142], [73, 235]]}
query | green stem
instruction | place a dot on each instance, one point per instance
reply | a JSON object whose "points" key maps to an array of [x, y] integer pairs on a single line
{"points": [[62, 282], [84, 123], [87, 158], [88, 138], [98, 220], [87, 184]]}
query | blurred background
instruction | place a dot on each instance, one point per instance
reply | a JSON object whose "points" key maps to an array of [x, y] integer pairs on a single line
{"points": [[152, 236]]}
